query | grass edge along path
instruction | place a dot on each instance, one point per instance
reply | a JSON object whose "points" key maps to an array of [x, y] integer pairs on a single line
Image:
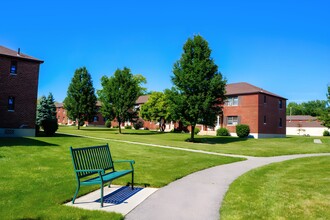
{"points": [[297, 188], [37, 174], [158, 145]]}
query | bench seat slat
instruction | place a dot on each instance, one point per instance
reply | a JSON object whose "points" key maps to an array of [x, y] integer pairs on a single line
{"points": [[106, 178]]}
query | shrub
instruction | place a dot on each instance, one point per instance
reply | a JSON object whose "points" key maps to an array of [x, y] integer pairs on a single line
{"points": [[223, 132], [197, 130], [138, 124], [146, 128], [116, 126], [326, 133], [128, 127], [242, 130], [107, 123], [49, 126]]}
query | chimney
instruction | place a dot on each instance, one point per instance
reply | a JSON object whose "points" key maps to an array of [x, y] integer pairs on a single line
{"points": [[19, 52]]}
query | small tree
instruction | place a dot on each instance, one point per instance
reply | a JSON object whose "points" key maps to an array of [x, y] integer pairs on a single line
{"points": [[119, 94], [156, 109], [46, 115], [80, 102], [199, 88]]}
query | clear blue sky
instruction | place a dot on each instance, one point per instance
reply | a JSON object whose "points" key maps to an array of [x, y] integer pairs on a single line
{"points": [[282, 46]]}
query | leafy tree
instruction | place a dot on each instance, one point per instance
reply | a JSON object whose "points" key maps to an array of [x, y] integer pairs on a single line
{"points": [[325, 117], [80, 102], [199, 87], [313, 108], [156, 109], [46, 114], [119, 94]]}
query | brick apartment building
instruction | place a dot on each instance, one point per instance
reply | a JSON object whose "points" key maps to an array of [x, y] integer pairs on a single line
{"points": [[263, 111], [19, 75]]}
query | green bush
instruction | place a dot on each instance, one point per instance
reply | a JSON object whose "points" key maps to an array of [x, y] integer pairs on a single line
{"points": [[138, 124], [197, 130], [242, 130], [223, 132], [128, 127], [49, 126], [326, 133], [107, 123], [116, 126]]}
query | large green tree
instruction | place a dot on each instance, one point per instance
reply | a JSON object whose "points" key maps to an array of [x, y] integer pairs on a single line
{"points": [[156, 109], [119, 94], [80, 102], [199, 88]]}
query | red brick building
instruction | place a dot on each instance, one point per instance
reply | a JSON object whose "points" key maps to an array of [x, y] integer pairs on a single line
{"points": [[263, 111], [19, 75]]}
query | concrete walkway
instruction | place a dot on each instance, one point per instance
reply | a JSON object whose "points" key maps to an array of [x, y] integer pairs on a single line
{"points": [[199, 195]]}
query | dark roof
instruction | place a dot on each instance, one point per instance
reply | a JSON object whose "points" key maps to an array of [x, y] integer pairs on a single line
{"points": [[243, 88], [12, 53], [300, 118], [313, 124], [142, 99]]}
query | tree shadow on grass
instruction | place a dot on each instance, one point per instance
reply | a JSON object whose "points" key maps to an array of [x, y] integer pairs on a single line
{"points": [[218, 140], [23, 142]]}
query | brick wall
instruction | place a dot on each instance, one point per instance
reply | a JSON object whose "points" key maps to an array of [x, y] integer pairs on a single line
{"points": [[24, 87]]}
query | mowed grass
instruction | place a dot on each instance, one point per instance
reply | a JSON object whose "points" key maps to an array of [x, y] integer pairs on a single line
{"points": [[37, 174], [294, 189], [230, 145]]}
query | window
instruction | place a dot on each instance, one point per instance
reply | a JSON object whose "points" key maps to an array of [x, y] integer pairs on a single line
{"points": [[280, 104], [96, 118], [232, 101], [265, 119], [265, 99], [232, 120], [13, 67], [11, 103], [280, 123]]}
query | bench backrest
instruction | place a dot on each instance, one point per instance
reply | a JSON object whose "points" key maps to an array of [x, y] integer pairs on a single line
{"points": [[97, 157]]}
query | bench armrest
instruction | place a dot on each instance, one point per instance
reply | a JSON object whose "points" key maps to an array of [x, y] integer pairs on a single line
{"points": [[125, 161]]}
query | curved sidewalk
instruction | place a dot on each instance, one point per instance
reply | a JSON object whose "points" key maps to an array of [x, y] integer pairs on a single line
{"points": [[199, 195]]}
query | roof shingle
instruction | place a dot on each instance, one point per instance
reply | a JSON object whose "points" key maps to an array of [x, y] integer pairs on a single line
{"points": [[11, 53]]}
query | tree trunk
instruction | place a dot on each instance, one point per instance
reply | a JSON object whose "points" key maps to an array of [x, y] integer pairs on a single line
{"points": [[192, 133], [119, 122], [78, 122]]}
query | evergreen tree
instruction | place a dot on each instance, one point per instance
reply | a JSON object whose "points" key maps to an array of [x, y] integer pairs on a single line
{"points": [[80, 102], [46, 115], [119, 94], [199, 87]]}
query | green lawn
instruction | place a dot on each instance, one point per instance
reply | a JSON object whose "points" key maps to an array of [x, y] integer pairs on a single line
{"points": [[37, 174], [230, 145], [294, 189]]}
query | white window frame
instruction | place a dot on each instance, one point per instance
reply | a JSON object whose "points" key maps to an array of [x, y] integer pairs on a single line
{"points": [[232, 101], [232, 120]]}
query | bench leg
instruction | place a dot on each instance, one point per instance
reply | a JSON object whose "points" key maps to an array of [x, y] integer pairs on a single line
{"points": [[101, 195], [76, 194], [132, 180]]}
